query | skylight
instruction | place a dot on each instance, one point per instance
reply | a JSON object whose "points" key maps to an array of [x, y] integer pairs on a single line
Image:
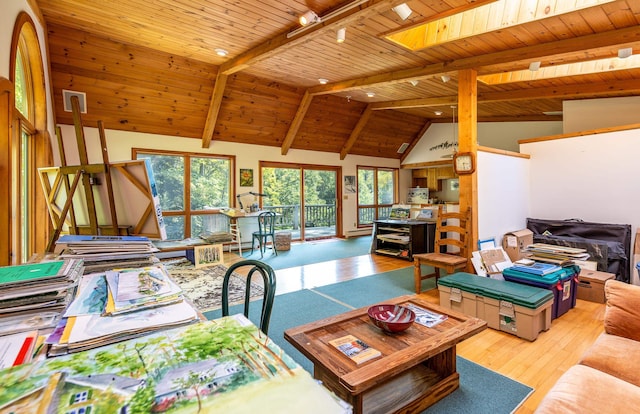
{"points": [[487, 18], [569, 69]]}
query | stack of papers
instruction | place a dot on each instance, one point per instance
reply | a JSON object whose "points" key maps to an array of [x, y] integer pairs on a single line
{"points": [[102, 253], [117, 305], [559, 255], [537, 268], [33, 296]]}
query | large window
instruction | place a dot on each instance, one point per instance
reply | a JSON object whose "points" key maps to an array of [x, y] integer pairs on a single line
{"points": [[377, 192], [192, 189], [29, 146]]}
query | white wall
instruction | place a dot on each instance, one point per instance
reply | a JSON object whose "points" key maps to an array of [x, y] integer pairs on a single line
{"points": [[439, 138], [120, 143], [592, 178], [503, 194], [588, 114]]}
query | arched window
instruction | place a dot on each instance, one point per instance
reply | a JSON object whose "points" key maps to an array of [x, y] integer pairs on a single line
{"points": [[29, 146]]}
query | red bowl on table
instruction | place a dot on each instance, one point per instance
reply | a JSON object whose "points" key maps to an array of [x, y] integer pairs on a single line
{"points": [[391, 318]]}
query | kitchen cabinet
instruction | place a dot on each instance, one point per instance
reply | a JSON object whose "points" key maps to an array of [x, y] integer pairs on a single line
{"points": [[445, 173], [426, 178], [403, 238]]}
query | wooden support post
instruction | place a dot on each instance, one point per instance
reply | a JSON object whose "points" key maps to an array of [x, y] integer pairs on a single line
{"points": [[73, 227], [65, 210], [84, 160], [107, 178]]}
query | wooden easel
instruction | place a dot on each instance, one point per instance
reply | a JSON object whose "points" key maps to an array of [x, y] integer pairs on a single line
{"points": [[84, 173]]}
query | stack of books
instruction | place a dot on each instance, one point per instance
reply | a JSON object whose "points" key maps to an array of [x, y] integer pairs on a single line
{"points": [[101, 253], [33, 296], [117, 305], [536, 268], [559, 255]]}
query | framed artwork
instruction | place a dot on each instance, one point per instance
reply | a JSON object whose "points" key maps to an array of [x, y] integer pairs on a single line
{"points": [[207, 255], [349, 184], [246, 177]]}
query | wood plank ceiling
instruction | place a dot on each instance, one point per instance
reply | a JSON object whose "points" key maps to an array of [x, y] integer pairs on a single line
{"points": [[151, 66]]}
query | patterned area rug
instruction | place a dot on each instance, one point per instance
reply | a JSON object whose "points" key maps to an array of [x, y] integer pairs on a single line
{"points": [[204, 286]]}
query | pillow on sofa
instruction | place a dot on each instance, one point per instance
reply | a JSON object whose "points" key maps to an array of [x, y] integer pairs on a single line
{"points": [[622, 315]]}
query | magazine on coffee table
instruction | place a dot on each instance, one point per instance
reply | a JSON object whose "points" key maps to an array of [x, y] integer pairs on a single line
{"points": [[426, 317]]}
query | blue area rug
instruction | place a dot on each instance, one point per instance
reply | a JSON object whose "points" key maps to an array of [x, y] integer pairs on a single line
{"points": [[481, 390], [311, 252]]}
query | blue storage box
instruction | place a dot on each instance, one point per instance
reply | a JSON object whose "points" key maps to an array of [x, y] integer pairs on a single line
{"points": [[563, 283]]}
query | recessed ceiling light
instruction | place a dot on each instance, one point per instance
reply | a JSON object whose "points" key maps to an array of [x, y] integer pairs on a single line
{"points": [[437, 112], [323, 81], [221, 52], [414, 82], [371, 94], [445, 78], [533, 66]]}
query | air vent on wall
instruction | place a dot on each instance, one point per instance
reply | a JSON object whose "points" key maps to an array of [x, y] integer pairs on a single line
{"points": [[82, 98], [403, 148]]}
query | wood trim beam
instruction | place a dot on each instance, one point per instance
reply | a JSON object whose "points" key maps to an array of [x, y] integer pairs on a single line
{"points": [[415, 103], [214, 109], [295, 124], [356, 132], [581, 43], [282, 43]]}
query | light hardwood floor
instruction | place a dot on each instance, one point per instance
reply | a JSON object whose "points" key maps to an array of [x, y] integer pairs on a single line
{"points": [[537, 364]]}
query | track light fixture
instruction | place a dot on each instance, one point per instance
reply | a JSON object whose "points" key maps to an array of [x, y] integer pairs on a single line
{"points": [[625, 53], [403, 11], [308, 18], [341, 34]]}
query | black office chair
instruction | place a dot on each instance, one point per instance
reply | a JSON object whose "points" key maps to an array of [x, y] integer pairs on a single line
{"points": [[269, 282], [266, 229]]}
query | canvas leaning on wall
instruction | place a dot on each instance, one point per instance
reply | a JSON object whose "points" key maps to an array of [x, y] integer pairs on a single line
{"points": [[208, 255]]}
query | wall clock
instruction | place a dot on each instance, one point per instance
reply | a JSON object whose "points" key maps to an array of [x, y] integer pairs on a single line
{"points": [[464, 163]]}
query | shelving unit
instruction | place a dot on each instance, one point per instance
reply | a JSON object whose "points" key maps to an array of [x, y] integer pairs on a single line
{"points": [[403, 238]]}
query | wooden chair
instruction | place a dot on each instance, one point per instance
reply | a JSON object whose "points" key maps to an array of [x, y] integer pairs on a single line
{"points": [[269, 283], [266, 229], [448, 233]]}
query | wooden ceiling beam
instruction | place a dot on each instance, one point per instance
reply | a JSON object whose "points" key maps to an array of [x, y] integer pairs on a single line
{"points": [[570, 91], [285, 41], [582, 43], [278, 44], [214, 109], [416, 103], [295, 124], [356, 132]]}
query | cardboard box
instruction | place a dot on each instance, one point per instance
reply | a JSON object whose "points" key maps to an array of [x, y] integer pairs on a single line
{"points": [[591, 285], [515, 242]]}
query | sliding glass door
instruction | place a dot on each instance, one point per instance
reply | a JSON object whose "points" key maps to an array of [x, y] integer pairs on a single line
{"points": [[303, 196]]}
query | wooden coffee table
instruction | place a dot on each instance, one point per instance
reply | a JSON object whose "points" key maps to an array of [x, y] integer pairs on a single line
{"points": [[417, 367]]}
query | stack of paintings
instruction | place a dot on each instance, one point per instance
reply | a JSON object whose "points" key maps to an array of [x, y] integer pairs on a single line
{"points": [[118, 305], [33, 298], [101, 253], [221, 366]]}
